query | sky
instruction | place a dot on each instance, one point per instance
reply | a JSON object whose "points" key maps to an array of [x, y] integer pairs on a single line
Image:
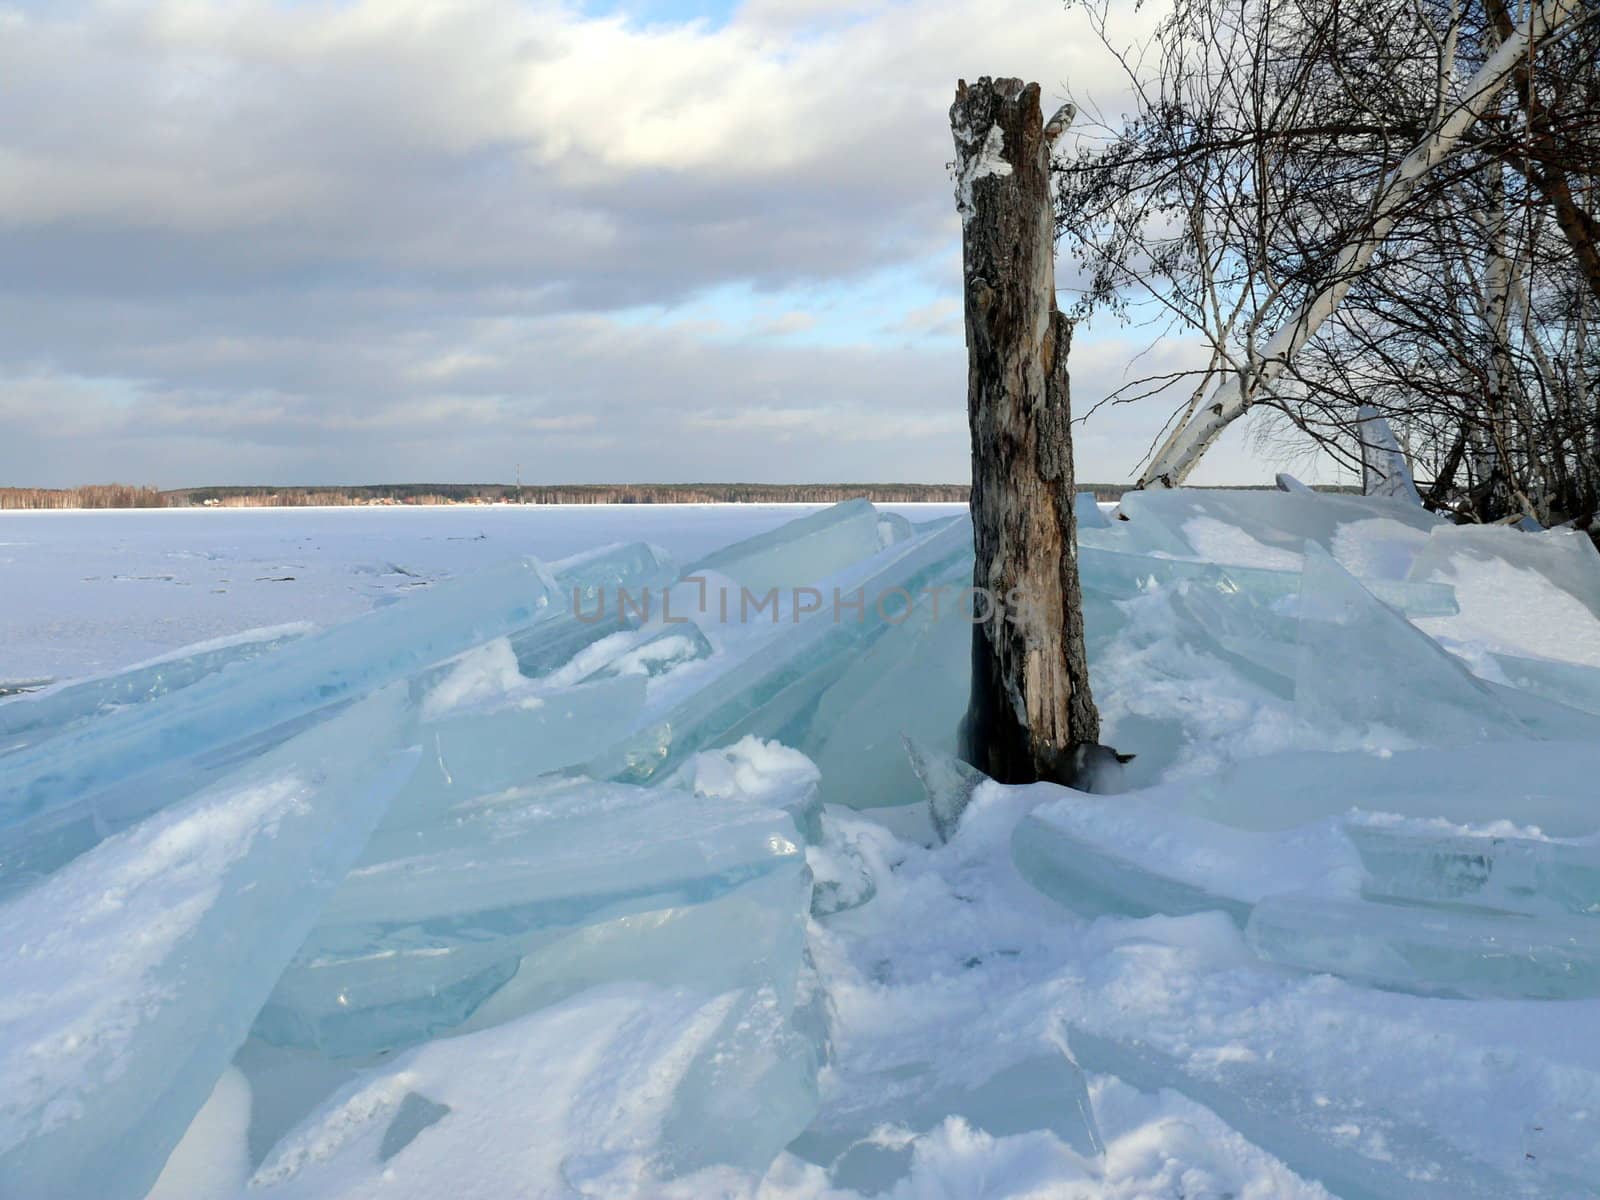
{"points": [[352, 241]]}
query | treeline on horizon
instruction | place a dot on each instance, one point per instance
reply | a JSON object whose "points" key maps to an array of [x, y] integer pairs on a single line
{"points": [[119, 495], [98, 495], [116, 495]]}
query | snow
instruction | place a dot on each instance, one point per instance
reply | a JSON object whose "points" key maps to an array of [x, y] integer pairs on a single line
{"points": [[661, 910], [1546, 621], [1217, 542]]}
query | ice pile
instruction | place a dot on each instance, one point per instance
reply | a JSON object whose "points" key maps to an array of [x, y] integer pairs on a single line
{"points": [[302, 853], [546, 881], [1425, 820]]}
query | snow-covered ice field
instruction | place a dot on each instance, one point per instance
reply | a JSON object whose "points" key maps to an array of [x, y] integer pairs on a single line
{"points": [[85, 592], [436, 889]]}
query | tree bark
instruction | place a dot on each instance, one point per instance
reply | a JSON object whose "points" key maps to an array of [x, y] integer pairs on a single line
{"points": [[1030, 700]]}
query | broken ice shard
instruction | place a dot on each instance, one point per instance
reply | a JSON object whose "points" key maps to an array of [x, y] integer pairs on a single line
{"points": [[518, 1101], [1433, 862], [803, 551], [892, 528], [1545, 784], [766, 680], [1277, 519], [1362, 666], [338, 664], [1564, 557], [912, 681], [1131, 857], [948, 783], [30, 719], [1571, 684], [1088, 511], [1249, 634], [437, 918], [1122, 576], [755, 1052], [865, 1137], [133, 975], [1433, 948], [1383, 467], [600, 593], [485, 748]]}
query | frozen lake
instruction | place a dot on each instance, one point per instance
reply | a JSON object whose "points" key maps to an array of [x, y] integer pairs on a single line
{"points": [[472, 896], [84, 592]]}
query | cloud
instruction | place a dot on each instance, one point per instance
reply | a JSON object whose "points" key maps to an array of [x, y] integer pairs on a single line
{"points": [[303, 242]]}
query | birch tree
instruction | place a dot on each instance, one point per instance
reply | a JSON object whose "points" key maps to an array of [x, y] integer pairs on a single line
{"points": [[1291, 189], [1234, 395]]}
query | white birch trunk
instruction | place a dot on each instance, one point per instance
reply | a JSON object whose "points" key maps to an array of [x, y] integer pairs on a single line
{"points": [[1233, 397]]}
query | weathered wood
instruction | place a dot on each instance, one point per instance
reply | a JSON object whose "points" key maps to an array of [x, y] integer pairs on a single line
{"points": [[1030, 701]]}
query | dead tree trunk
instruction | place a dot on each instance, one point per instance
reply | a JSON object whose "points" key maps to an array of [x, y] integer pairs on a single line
{"points": [[1030, 702]]}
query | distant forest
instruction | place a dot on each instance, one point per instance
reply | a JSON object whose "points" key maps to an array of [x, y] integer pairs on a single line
{"points": [[117, 495], [124, 496]]}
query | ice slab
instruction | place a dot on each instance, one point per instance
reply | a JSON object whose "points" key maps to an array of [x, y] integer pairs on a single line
{"points": [[1088, 511], [752, 935], [600, 593], [1122, 576], [649, 650], [1135, 857], [1545, 718], [1431, 948], [1128, 534], [1252, 636], [1383, 467], [892, 528], [485, 748], [1281, 520], [1545, 784], [1127, 856], [757, 1051], [338, 664], [768, 675], [803, 551], [587, 576], [603, 1094], [865, 1141], [36, 846], [1564, 557], [1571, 684], [434, 920], [1433, 862], [913, 681], [1364, 668], [29, 719], [1103, 620], [133, 975]]}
